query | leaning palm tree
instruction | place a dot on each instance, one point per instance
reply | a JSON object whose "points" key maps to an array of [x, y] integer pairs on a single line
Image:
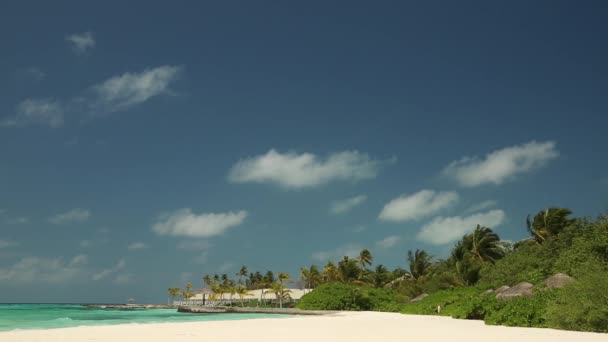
{"points": [[305, 276], [281, 292], [380, 275], [548, 222], [420, 263], [207, 280], [242, 273], [365, 258], [329, 273], [173, 292], [242, 292], [283, 277], [483, 244]]}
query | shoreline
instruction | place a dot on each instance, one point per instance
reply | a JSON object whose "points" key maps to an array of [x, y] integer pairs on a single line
{"points": [[340, 326]]}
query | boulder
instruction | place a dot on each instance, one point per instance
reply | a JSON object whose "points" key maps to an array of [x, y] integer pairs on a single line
{"points": [[419, 298], [522, 289], [558, 281], [502, 289], [487, 292]]}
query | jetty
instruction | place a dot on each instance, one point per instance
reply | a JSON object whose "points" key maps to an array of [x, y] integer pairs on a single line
{"points": [[129, 306], [235, 309]]}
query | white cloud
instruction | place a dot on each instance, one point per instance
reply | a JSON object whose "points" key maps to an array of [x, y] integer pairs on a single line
{"points": [[44, 270], [17, 220], [194, 245], [94, 242], [350, 250], [32, 74], [122, 279], [343, 206], [7, 244], [128, 89], [501, 165], [186, 277], [481, 206], [295, 171], [183, 222], [75, 215], [81, 42], [109, 271], [443, 230], [389, 241], [47, 112], [416, 206], [359, 229], [137, 245], [201, 258], [226, 266]]}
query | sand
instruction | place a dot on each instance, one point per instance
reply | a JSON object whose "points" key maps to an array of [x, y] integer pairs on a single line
{"points": [[348, 326]]}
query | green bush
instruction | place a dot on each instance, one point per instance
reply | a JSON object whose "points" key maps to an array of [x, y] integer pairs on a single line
{"points": [[530, 262], [452, 302], [339, 296], [582, 305], [520, 311]]}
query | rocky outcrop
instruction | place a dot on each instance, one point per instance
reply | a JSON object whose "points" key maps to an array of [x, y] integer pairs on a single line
{"points": [[419, 297], [522, 289], [558, 281], [502, 289]]}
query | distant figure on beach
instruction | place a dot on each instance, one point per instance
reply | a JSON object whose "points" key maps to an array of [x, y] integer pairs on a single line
{"points": [[438, 309]]}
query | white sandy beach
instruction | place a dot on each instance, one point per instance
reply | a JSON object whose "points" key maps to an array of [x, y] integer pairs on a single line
{"points": [[348, 326]]}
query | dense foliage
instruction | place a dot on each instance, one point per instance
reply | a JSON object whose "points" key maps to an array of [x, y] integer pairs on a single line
{"points": [[478, 261], [339, 296]]}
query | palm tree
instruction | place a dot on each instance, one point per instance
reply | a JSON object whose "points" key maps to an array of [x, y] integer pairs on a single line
{"points": [[189, 289], [380, 275], [242, 273], [365, 258], [283, 277], [420, 263], [483, 244], [310, 276], [242, 291], [280, 292], [330, 272], [305, 276], [173, 292], [548, 222], [207, 280], [348, 270], [218, 291]]}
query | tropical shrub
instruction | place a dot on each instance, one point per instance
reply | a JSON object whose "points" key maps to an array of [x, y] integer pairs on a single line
{"points": [[339, 296], [582, 305], [520, 311], [530, 262], [452, 302]]}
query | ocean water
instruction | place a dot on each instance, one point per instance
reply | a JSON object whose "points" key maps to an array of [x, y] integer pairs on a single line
{"points": [[50, 316]]}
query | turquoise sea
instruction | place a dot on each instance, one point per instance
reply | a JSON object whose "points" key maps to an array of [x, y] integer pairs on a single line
{"points": [[49, 316]]}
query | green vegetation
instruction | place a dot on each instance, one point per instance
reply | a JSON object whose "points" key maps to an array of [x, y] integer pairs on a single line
{"points": [[461, 286], [340, 296]]}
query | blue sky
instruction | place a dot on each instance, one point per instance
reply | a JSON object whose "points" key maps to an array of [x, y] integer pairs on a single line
{"points": [[145, 145]]}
